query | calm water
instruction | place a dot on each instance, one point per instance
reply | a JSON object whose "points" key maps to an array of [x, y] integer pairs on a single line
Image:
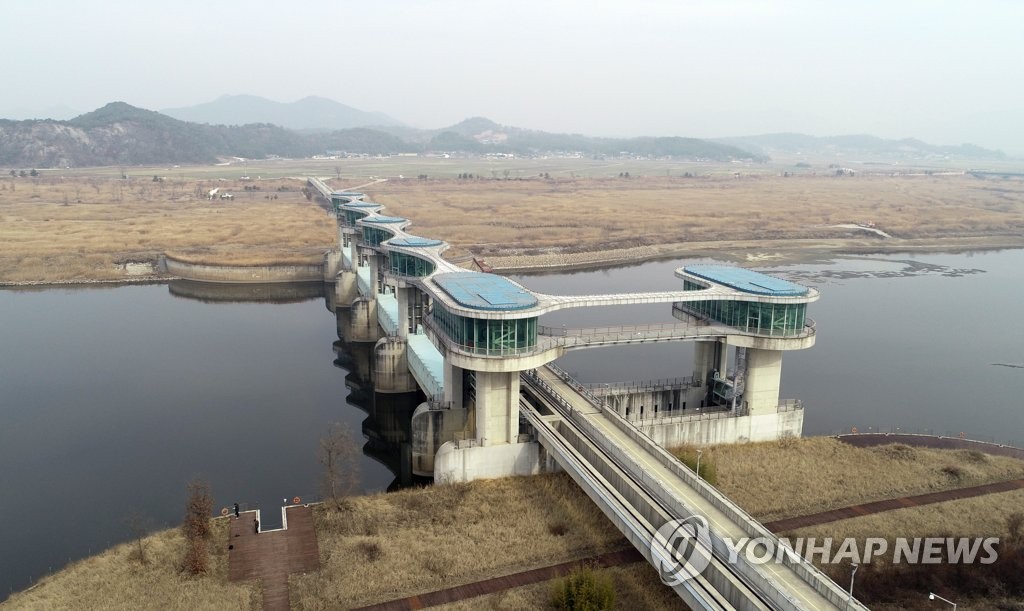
{"points": [[112, 399], [916, 342]]}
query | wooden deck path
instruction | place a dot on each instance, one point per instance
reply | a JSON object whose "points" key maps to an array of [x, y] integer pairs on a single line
{"points": [[271, 556]]}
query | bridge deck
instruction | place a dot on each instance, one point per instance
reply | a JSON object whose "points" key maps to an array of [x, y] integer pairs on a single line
{"points": [[720, 524], [426, 364], [387, 313]]}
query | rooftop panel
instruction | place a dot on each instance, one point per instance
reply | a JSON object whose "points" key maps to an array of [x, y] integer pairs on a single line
{"points": [[481, 291], [414, 242], [384, 219], [362, 205], [747, 280]]}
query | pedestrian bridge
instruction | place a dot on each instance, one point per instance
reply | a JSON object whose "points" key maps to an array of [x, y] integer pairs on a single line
{"points": [[641, 487]]}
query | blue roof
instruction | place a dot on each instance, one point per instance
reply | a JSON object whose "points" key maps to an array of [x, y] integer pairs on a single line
{"points": [[384, 219], [414, 242], [481, 291], [747, 280]]}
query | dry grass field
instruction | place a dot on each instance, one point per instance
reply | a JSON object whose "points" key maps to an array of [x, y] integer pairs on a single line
{"points": [[116, 580], [83, 225], [387, 546], [399, 544], [776, 480], [658, 216], [55, 230]]}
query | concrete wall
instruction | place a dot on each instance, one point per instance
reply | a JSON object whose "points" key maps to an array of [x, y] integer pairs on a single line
{"points": [[462, 464], [239, 273], [712, 429], [649, 402]]}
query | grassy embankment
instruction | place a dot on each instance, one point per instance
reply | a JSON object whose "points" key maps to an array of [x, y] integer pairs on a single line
{"points": [[54, 230], [391, 545], [117, 580]]}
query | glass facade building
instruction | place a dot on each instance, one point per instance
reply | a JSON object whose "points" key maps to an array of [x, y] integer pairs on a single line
{"points": [[772, 319], [402, 264], [374, 236], [487, 337]]}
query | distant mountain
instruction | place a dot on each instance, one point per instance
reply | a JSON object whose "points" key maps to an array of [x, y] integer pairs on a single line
{"points": [[311, 113], [120, 133], [481, 135], [854, 146]]}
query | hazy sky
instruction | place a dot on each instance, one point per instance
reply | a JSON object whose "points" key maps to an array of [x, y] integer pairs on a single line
{"points": [[943, 71]]}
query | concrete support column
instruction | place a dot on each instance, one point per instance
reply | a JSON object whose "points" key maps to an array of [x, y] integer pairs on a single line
{"points": [[345, 289], [764, 373], [497, 407], [391, 367], [363, 320], [453, 384], [374, 261], [704, 359], [402, 297]]}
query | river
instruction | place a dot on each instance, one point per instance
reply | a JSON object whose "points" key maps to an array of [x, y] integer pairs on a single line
{"points": [[111, 399]]}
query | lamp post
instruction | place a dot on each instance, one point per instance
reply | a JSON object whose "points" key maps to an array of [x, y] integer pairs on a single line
{"points": [[699, 452], [849, 601], [933, 596]]}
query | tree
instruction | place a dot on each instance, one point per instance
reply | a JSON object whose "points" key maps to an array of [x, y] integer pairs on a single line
{"points": [[339, 455], [337, 171], [196, 527], [138, 525], [14, 173], [33, 173]]}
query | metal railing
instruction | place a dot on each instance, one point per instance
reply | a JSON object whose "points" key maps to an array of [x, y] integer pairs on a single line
{"points": [[630, 387]]}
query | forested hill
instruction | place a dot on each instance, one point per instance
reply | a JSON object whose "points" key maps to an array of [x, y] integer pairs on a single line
{"points": [[119, 133]]}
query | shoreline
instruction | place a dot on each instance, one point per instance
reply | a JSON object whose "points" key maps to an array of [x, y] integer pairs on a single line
{"points": [[738, 252], [746, 252]]}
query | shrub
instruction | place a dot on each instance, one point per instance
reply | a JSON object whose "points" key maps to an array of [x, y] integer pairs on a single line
{"points": [[584, 588], [688, 456], [897, 451]]}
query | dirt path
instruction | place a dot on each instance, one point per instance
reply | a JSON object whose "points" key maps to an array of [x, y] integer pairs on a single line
{"points": [[856, 511], [498, 584]]}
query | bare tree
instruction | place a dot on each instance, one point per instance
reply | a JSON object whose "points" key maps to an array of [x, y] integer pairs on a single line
{"points": [[338, 452], [198, 510], [337, 171], [138, 525]]}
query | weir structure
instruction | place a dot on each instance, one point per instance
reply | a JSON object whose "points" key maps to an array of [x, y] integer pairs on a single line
{"points": [[472, 345]]}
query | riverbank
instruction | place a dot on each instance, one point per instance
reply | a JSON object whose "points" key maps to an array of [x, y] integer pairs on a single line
{"points": [[745, 252], [387, 546]]}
